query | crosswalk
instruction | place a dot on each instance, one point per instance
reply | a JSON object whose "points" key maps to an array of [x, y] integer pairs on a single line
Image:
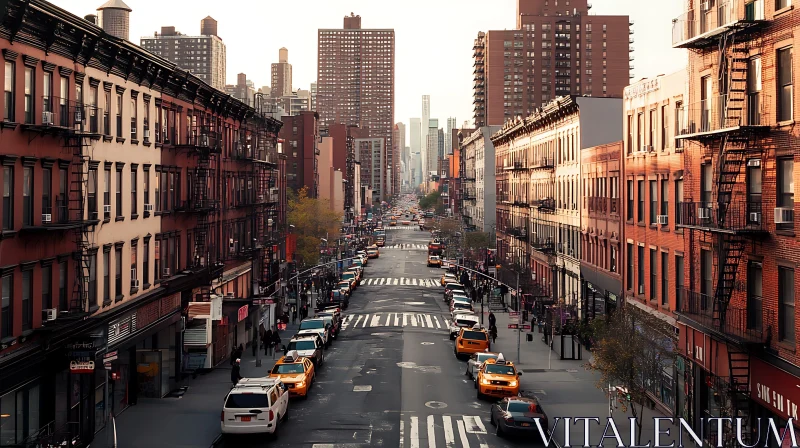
{"points": [[400, 320], [407, 246], [450, 431], [396, 281], [401, 227]]}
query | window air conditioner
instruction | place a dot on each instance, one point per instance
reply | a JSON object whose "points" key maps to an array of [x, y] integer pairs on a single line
{"points": [[106, 209], [649, 148], [134, 284], [148, 207], [755, 217], [754, 162], [230, 295], [703, 212], [46, 217], [147, 134], [662, 220], [47, 118], [784, 215], [49, 314], [705, 6], [166, 272]]}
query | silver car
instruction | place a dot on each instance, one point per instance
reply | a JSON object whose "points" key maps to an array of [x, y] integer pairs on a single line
{"points": [[475, 361]]}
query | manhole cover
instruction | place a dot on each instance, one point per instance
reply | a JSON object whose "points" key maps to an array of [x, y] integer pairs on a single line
{"points": [[427, 343], [436, 405]]}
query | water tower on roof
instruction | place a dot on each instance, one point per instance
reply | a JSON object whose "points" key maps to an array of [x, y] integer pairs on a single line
{"points": [[114, 18]]}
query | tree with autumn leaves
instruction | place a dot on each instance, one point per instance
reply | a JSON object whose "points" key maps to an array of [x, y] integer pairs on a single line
{"points": [[312, 219]]}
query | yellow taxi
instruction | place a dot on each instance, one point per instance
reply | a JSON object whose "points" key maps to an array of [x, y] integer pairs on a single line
{"points": [[448, 278], [296, 372], [434, 260], [497, 378], [471, 340]]}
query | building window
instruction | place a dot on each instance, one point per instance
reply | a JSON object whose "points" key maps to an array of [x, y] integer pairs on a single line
{"points": [[146, 264], [664, 197], [92, 194], [754, 87], [8, 106], [47, 287], [706, 278], [664, 128], [157, 264], [106, 278], [47, 95], [63, 102], [664, 278], [106, 113], [6, 308], [62, 286], [679, 288], [27, 300], [134, 199], [653, 124], [119, 115], [786, 318], [134, 258], [640, 269], [8, 198], [118, 187], [47, 193], [93, 279], [640, 202], [118, 273], [785, 86], [678, 200], [754, 190], [640, 132], [653, 274], [133, 118], [780, 4], [30, 79], [27, 196], [613, 264], [107, 194], [785, 193], [629, 211], [653, 201], [755, 306], [158, 191], [630, 134], [93, 99], [706, 184]]}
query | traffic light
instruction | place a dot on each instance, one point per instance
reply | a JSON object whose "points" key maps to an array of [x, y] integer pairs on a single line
{"points": [[628, 397]]}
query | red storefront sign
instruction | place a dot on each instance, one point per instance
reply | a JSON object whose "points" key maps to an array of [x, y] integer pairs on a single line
{"points": [[243, 313], [774, 389]]}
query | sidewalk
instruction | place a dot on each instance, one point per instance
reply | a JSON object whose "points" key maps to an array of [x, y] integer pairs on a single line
{"points": [[189, 421], [564, 387]]}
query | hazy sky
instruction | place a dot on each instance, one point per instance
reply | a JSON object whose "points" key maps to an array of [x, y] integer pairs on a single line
{"points": [[433, 38]]}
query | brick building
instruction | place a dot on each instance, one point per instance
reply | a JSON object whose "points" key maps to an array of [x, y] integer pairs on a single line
{"points": [[737, 319], [554, 51], [129, 194], [301, 137], [601, 229], [652, 187]]}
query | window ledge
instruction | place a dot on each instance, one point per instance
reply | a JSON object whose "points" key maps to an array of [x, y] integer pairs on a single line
{"points": [[135, 216], [107, 138], [106, 302], [654, 226], [8, 125], [782, 11], [119, 218], [158, 145], [146, 143], [146, 214], [119, 298], [665, 228], [120, 139], [93, 309], [641, 224], [146, 286], [787, 345], [106, 220], [789, 233], [134, 142], [785, 123], [4, 234], [6, 341], [134, 291]]}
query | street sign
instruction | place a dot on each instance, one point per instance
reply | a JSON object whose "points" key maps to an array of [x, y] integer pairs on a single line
{"points": [[81, 366], [513, 326], [107, 365], [526, 327], [110, 356]]}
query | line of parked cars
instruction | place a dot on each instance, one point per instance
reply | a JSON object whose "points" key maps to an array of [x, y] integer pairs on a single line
{"points": [[259, 405], [493, 376]]}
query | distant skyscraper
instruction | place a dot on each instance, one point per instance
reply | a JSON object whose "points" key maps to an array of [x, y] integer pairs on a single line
{"points": [[426, 117], [203, 55], [400, 150], [415, 139], [313, 91], [355, 82], [114, 18], [243, 90], [448, 135], [282, 75], [431, 149]]}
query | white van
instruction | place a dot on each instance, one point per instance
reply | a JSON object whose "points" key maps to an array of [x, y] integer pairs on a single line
{"points": [[255, 406]]}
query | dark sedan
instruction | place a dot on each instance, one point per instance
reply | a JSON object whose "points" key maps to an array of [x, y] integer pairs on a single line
{"points": [[517, 416]]}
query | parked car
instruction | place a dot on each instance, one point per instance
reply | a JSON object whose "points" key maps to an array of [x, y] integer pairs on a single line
{"points": [[254, 406]]}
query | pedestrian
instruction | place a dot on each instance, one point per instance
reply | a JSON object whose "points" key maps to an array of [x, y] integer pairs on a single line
{"points": [[255, 344], [233, 355], [268, 343], [236, 374], [294, 314], [276, 342], [474, 296], [492, 319], [493, 333]]}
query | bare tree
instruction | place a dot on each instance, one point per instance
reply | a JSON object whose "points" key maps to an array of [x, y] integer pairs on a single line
{"points": [[632, 348]]}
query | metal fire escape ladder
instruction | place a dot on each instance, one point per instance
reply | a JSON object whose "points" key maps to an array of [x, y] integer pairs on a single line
{"points": [[202, 202], [83, 231]]}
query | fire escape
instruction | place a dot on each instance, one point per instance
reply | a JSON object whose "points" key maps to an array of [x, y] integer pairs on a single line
{"points": [[203, 141], [728, 130]]}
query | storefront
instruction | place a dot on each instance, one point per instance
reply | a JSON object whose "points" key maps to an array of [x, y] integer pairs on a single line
{"points": [[775, 394]]}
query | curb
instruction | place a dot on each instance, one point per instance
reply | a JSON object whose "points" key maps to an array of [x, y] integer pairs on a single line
{"points": [[218, 442]]}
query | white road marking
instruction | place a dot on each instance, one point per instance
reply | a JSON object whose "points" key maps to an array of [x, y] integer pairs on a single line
{"points": [[396, 320], [402, 430], [413, 320], [366, 319], [449, 438], [415, 282], [383, 280], [474, 425], [431, 433], [358, 320], [428, 319], [414, 432], [395, 282], [463, 434], [375, 320], [388, 320], [405, 319], [436, 319]]}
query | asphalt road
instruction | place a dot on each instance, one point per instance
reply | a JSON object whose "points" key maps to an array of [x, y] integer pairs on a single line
{"points": [[391, 379]]}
